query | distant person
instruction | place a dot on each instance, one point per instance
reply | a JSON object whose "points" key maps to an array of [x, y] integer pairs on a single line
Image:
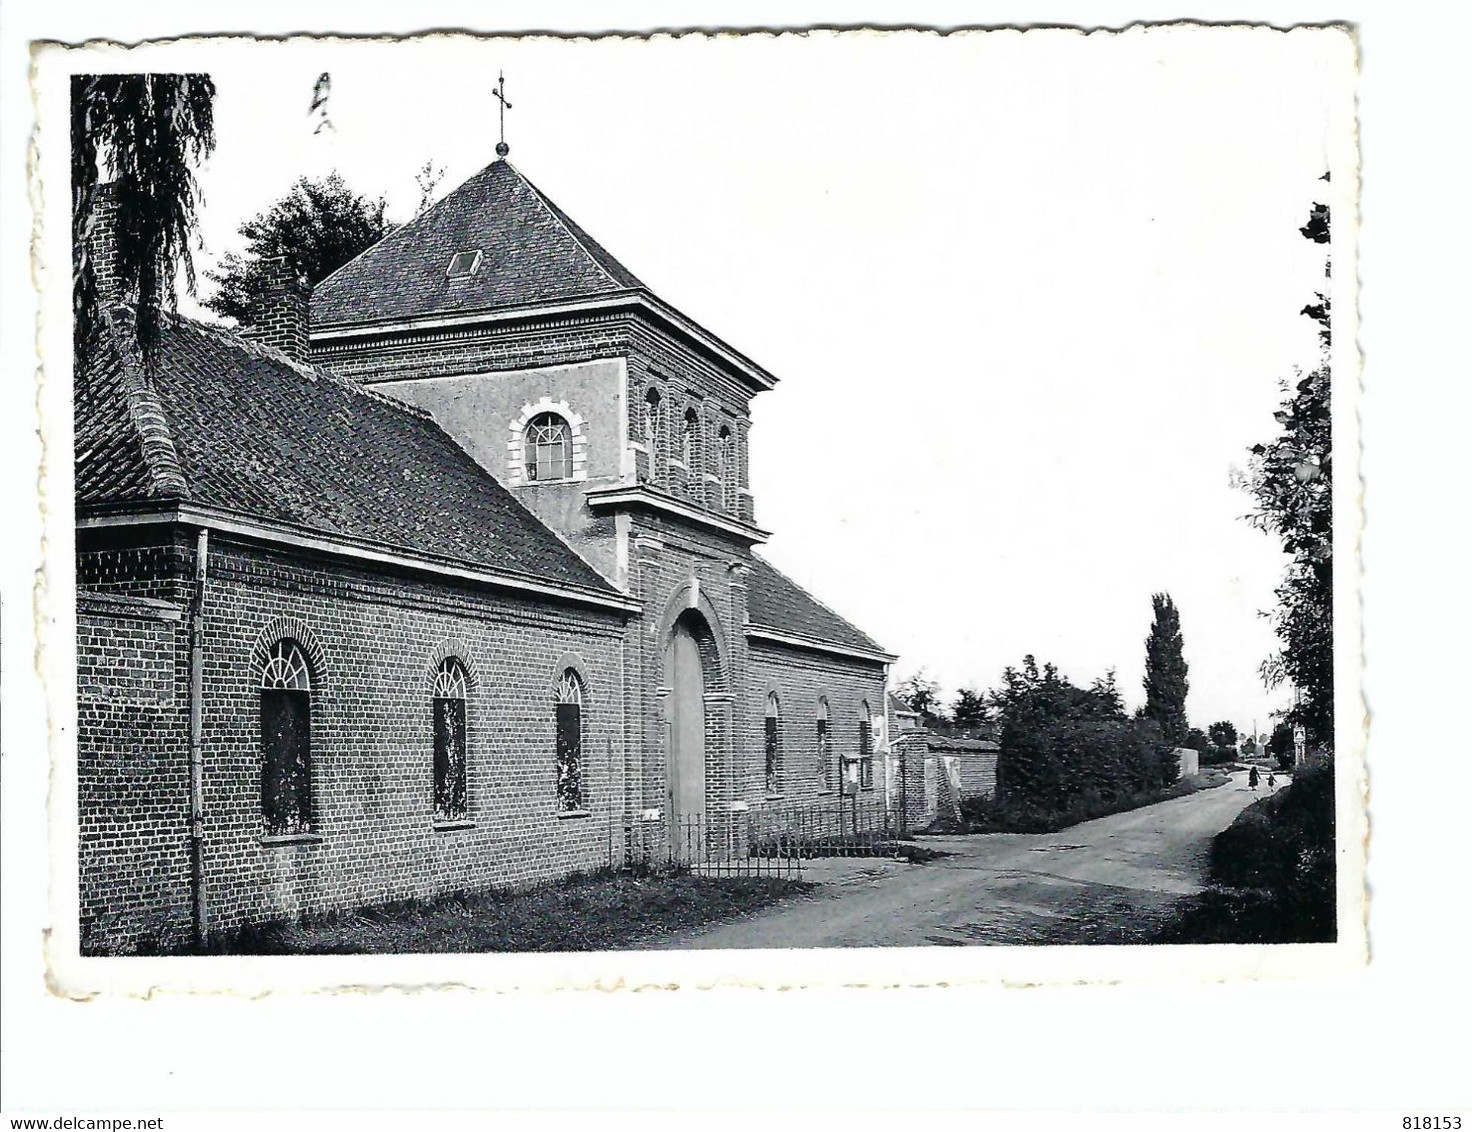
{"points": [[1252, 778], [1272, 781]]}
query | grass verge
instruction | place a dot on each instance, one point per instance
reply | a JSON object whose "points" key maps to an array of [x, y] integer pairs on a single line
{"points": [[1271, 871], [598, 911]]}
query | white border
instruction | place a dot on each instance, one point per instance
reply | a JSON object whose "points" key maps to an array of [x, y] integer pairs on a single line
{"points": [[995, 966], [1383, 1040]]}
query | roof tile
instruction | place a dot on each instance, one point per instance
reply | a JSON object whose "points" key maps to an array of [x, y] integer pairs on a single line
{"points": [[256, 434], [531, 253], [778, 603]]}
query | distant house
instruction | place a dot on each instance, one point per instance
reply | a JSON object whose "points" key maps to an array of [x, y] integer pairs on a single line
{"points": [[902, 717], [931, 770]]}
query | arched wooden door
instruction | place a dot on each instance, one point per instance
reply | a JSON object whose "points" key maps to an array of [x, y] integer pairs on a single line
{"points": [[686, 757]]}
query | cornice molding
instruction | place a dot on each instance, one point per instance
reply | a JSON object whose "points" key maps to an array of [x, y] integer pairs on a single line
{"points": [[794, 641], [338, 336], [226, 522], [641, 495]]}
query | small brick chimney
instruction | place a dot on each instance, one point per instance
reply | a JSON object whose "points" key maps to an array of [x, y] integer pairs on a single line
{"points": [[282, 319], [102, 245]]}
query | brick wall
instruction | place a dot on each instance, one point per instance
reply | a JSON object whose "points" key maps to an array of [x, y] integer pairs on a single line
{"points": [[374, 640], [923, 791], [487, 414], [685, 377], [132, 773], [915, 780], [978, 773], [443, 353], [800, 677], [665, 557]]}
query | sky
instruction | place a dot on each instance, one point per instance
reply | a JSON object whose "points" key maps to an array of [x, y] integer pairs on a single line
{"points": [[1030, 296]]}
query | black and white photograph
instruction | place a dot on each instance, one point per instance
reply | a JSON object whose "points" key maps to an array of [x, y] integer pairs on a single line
{"points": [[663, 562], [624, 495]]}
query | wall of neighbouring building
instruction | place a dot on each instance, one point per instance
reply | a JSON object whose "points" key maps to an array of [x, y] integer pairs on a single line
{"points": [[934, 775], [978, 773]]}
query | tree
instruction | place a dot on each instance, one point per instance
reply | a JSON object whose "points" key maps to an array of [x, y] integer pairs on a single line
{"points": [[1223, 733], [318, 226], [427, 180], [1065, 747], [1280, 744], [921, 693], [1165, 672], [1291, 482], [969, 708], [143, 135]]}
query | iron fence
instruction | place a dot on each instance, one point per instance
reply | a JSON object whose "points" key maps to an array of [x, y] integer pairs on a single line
{"points": [[766, 841], [843, 827]]}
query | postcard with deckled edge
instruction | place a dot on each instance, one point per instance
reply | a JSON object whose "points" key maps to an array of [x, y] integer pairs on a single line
{"points": [[847, 507]]}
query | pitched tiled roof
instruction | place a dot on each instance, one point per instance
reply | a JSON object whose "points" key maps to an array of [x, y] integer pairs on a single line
{"points": [[109, 441], [939, 742], [898, 706], [228, 424], [777, 603], [531, 253]]}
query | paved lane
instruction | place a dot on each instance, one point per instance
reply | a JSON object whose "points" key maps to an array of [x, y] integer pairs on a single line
{"points": [[1111, 880]]}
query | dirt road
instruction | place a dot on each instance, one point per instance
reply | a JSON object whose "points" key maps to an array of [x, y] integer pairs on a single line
{"points": [[1112, 880]]}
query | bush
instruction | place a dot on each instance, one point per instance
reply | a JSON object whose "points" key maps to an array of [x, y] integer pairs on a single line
{"points": [[1272, 870], [1287, 838]]}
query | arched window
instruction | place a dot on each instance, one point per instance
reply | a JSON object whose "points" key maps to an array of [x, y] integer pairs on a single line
{"points": [[866, 747], [548, 448], [653, 422], [286, 740], [774, 744], [825, 746], [689, 440], [570, 741], [450, 688], [725, 464]]}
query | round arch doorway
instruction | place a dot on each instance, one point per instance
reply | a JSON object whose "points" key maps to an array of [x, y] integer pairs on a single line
{"points": [[691, 673]]}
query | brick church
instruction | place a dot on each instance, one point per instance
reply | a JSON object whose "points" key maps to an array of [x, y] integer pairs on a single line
{"points": [[444, 577]]}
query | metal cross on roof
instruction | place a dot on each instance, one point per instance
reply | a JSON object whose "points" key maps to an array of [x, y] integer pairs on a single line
{"points": [[502, 149]]}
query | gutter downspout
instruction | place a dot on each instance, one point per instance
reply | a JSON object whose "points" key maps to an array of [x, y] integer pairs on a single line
{"points": [[196, 739]]}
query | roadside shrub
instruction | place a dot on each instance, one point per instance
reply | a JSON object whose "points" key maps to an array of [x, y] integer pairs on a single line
{"points": [[1281, 839], [1070, 753], [1272, 870]]}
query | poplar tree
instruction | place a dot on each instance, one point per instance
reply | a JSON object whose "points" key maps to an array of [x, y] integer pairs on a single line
{"points": [[1165, 672]]}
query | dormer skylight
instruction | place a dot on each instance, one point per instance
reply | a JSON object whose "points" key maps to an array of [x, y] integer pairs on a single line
{"points": [[464, 264]]}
